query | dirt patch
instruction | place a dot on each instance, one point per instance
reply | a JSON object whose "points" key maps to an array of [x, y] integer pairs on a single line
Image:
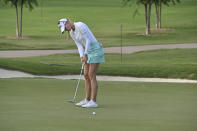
{"points": [[191, 75]]}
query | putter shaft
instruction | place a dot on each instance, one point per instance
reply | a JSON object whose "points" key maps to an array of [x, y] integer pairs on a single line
{"points": [[74, 97]]}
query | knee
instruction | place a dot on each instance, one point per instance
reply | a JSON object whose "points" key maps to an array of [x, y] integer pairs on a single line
{"points": [[92, 75], [86, 76]]}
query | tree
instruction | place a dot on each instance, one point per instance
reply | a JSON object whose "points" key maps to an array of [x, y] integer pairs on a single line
{"points": [[147, 5], [15, 3], [158, 8], [29, 4]]}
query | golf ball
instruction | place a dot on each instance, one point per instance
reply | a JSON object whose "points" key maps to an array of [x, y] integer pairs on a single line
{"points": [[94, 113]]}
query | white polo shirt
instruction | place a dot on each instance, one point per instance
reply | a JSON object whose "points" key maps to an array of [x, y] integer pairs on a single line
{"points": [[83, 37]]}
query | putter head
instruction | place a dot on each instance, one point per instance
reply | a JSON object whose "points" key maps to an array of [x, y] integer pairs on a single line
{"points": [[71, 101]]}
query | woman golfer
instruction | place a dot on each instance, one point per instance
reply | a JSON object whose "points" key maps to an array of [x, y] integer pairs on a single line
{"points": [[91, 54]]}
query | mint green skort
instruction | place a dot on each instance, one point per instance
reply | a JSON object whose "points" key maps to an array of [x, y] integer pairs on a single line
{"points": [[95, 53]]}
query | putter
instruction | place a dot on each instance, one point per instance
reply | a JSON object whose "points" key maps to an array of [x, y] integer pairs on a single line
{"points": [[73, 100]]}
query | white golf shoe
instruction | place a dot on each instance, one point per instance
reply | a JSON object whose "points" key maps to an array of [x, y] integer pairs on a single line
{"points": [[83, 102], [90, 104]]}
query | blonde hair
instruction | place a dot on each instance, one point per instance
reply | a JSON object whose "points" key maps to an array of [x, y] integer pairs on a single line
{"points": [[68, 34]]}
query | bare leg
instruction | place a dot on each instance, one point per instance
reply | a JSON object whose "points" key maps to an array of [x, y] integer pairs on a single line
{"points": [[92, 75], [87, 81]]}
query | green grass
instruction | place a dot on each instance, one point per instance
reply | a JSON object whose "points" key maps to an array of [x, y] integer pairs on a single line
{"points": [[104, 19], [165, 63], [38, 105]]}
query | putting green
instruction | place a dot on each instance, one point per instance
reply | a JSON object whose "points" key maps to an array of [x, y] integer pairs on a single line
{"points": [[38, 105]]}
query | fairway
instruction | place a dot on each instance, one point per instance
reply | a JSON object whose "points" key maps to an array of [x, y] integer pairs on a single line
{"points": [[38, 105], [103, 17]]}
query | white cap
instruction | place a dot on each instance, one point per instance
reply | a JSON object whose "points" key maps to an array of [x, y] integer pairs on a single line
{"points": [[61, 24]]}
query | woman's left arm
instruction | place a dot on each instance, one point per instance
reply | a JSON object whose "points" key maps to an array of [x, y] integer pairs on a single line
{"points": [[87, 47], [85, 34]]}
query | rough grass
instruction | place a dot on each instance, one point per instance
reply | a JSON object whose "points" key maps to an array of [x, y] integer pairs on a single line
{"points": [[173, 63]]}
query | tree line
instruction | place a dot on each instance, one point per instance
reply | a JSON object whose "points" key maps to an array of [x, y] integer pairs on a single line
{"points": [[18, 4], [147, 6]]}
